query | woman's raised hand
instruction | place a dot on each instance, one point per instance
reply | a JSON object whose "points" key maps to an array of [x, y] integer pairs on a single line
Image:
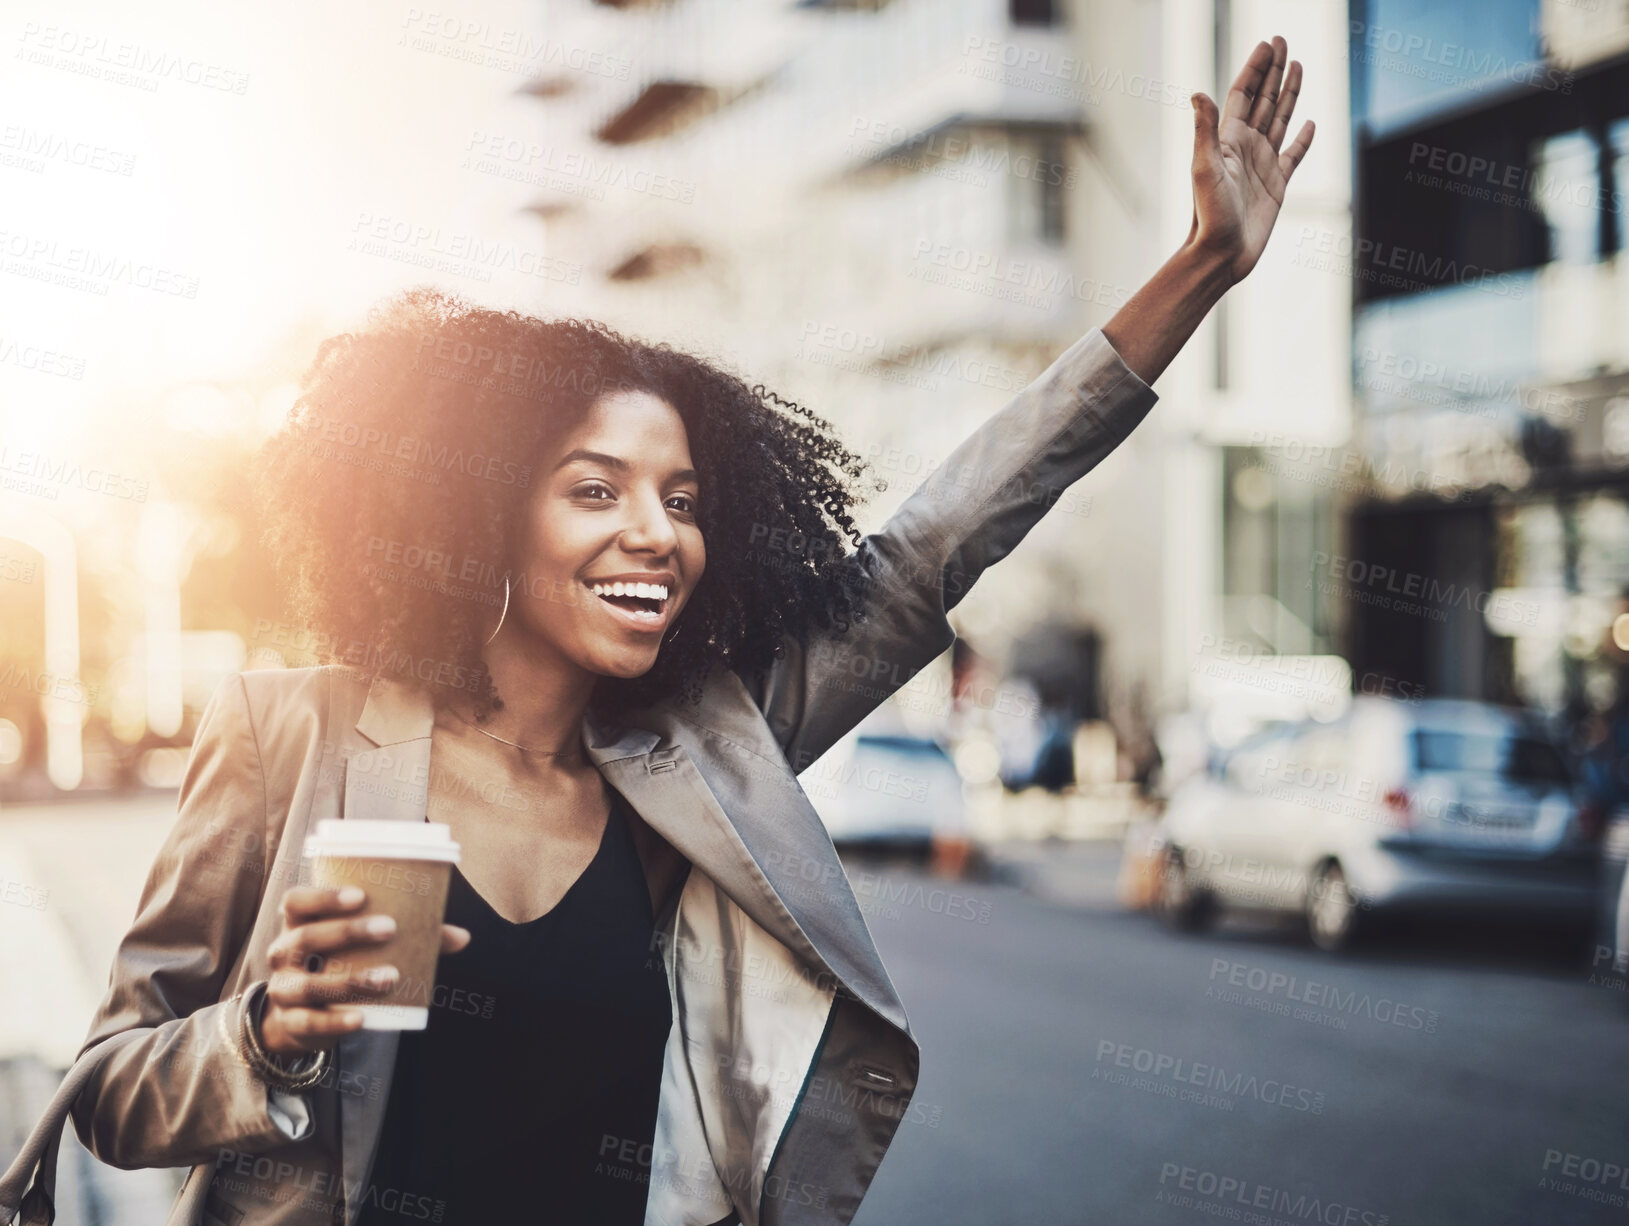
{"points": [[1239, 175], [305, 996]]}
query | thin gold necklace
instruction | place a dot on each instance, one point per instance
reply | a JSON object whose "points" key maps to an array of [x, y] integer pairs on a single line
{"points": [[547, 753]]}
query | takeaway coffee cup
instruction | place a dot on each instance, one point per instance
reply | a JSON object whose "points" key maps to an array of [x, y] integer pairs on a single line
{"points": [[405, 868]]}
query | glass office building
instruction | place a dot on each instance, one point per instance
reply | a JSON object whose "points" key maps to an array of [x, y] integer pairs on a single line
{"points": [[1485, 537]]}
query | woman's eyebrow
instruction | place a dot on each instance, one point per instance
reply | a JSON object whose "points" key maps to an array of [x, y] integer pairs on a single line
{"points": [[592, 457], [617, 463]]}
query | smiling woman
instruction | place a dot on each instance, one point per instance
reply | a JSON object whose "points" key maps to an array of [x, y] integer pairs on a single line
{"points": [[552, 534], [448, 448]]}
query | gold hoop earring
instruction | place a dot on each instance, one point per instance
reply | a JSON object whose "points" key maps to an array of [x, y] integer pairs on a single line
{"points": [[501, 615]]}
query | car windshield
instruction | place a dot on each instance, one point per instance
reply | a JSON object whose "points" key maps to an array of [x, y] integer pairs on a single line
{"points": [[1523, 758]]}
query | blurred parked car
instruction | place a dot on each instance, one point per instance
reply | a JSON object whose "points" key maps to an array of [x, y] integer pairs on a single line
{"points": [[1432, 806], [889, 792], [1611, 955]]}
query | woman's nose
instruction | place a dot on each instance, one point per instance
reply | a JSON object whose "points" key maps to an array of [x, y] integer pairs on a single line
{"points": [[649, 527]]}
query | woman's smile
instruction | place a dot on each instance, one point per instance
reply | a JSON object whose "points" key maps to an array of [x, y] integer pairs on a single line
{"points": [[641, 603]]}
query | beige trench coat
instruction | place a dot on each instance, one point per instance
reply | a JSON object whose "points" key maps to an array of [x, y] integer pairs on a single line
{"points": [[790, 1064]]}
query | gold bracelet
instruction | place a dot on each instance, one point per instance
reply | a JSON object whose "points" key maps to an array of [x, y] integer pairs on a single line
{"points": [[227, 1037], [270, 1067], [253, 1055]]}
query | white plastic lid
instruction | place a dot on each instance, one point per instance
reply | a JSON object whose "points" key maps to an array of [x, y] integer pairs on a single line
{"points": [[383, 838]]}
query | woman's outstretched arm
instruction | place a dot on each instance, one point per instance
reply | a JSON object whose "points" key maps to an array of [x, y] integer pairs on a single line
{"points": [[976, 507]]}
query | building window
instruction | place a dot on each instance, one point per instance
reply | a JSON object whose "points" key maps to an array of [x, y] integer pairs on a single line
{"points": [[1565, 180], [1037, 185], [1617, 166], [1033, 12]]}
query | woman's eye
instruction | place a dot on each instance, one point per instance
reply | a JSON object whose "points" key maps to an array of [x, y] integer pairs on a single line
{"points": [[687, 504], [597, 487]]}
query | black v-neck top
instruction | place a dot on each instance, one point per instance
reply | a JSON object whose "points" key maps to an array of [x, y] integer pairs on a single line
{"points": [[531, 1096]]}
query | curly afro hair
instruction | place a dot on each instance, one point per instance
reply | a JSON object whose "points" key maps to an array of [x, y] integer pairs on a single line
{"points": [[391, 495]]}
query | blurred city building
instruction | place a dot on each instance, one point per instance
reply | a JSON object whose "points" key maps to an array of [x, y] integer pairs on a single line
{"points": [[900, 213], [1486, 548], [896, 212]]}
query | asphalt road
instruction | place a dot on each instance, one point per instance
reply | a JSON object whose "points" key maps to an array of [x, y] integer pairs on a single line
{"points": [[1081, 1065]]}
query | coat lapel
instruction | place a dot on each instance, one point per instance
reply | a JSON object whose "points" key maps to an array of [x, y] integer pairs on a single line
{"points": [[741, 815], [709, 778], [386, 779]]}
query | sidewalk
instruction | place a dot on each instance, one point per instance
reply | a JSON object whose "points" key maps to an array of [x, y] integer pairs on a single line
{"points": [[1081, 873], [70, 875], [1062, 847]]}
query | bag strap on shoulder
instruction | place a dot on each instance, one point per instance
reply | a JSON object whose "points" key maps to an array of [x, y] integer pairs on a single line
{"points": [[29, 1184]]}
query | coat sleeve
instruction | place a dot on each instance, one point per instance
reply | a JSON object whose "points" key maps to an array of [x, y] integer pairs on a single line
{"points": [[179, 1095], [970, 513]]}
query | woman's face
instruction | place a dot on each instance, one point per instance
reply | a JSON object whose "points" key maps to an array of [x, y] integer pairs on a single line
{"points": [[614, 502]]}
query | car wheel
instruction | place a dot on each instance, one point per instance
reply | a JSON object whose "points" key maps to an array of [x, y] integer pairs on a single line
{"points": [[1332, 910], [1181, 905]]}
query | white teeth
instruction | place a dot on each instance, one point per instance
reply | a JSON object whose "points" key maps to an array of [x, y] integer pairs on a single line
{"points": [[649, 591]]}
